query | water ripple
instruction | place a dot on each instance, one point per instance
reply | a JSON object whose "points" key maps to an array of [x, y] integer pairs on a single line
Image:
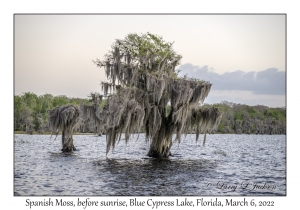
{"points": [[40, 167]]}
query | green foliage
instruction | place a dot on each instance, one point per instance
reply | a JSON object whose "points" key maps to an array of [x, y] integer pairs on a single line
{"points": [[238, 115], [103, 102], [140, 45], [251, 110], [60, 100], [277, 113], [148, 53], [168, 110], [221, 127], [251, 119]]}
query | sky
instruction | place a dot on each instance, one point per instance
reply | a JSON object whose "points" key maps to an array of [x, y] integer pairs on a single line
{"points": [[243, 56]]}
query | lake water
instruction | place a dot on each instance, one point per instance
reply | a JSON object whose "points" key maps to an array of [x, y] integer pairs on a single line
{"points": [[227, 165]]}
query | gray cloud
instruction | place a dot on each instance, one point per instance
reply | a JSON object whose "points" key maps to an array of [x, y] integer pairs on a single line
{"points": [[269, 81]]}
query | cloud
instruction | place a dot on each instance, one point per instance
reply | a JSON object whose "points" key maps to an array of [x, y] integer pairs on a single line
{"points": [[269, 81], [245, 97]]}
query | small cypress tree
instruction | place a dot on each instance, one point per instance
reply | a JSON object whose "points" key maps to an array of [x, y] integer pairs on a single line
{"points": [[64, 118]]}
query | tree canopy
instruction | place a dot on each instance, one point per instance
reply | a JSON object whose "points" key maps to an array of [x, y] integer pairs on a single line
{"points": [[142, 82]]}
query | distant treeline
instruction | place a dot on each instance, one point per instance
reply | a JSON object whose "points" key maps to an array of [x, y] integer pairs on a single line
{"points": [[259, 119], [31, 114]]}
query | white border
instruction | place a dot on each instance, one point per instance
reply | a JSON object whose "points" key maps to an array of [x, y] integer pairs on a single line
{"points": [[8, 8]]}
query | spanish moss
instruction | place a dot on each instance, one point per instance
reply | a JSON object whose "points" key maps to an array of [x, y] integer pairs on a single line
{"points": [[142, 67], [64, 118]]}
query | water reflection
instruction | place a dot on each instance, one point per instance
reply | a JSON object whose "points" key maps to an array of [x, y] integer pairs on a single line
{"points": [[154, 176]]}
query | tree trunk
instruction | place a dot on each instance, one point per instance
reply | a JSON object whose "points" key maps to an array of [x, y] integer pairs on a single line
{"points": [[67, 141], [157, 153]]}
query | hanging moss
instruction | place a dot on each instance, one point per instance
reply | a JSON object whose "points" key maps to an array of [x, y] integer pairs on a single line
{"points": [[64, 118], [144, 67]]}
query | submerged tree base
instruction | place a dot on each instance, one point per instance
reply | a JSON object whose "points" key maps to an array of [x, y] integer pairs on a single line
{"points": [[165, 153], [67, 141], [68, 149]]}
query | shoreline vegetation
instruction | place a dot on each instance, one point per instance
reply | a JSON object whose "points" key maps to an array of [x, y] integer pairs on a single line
{"points": [[49, 133], [31, 116]]}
